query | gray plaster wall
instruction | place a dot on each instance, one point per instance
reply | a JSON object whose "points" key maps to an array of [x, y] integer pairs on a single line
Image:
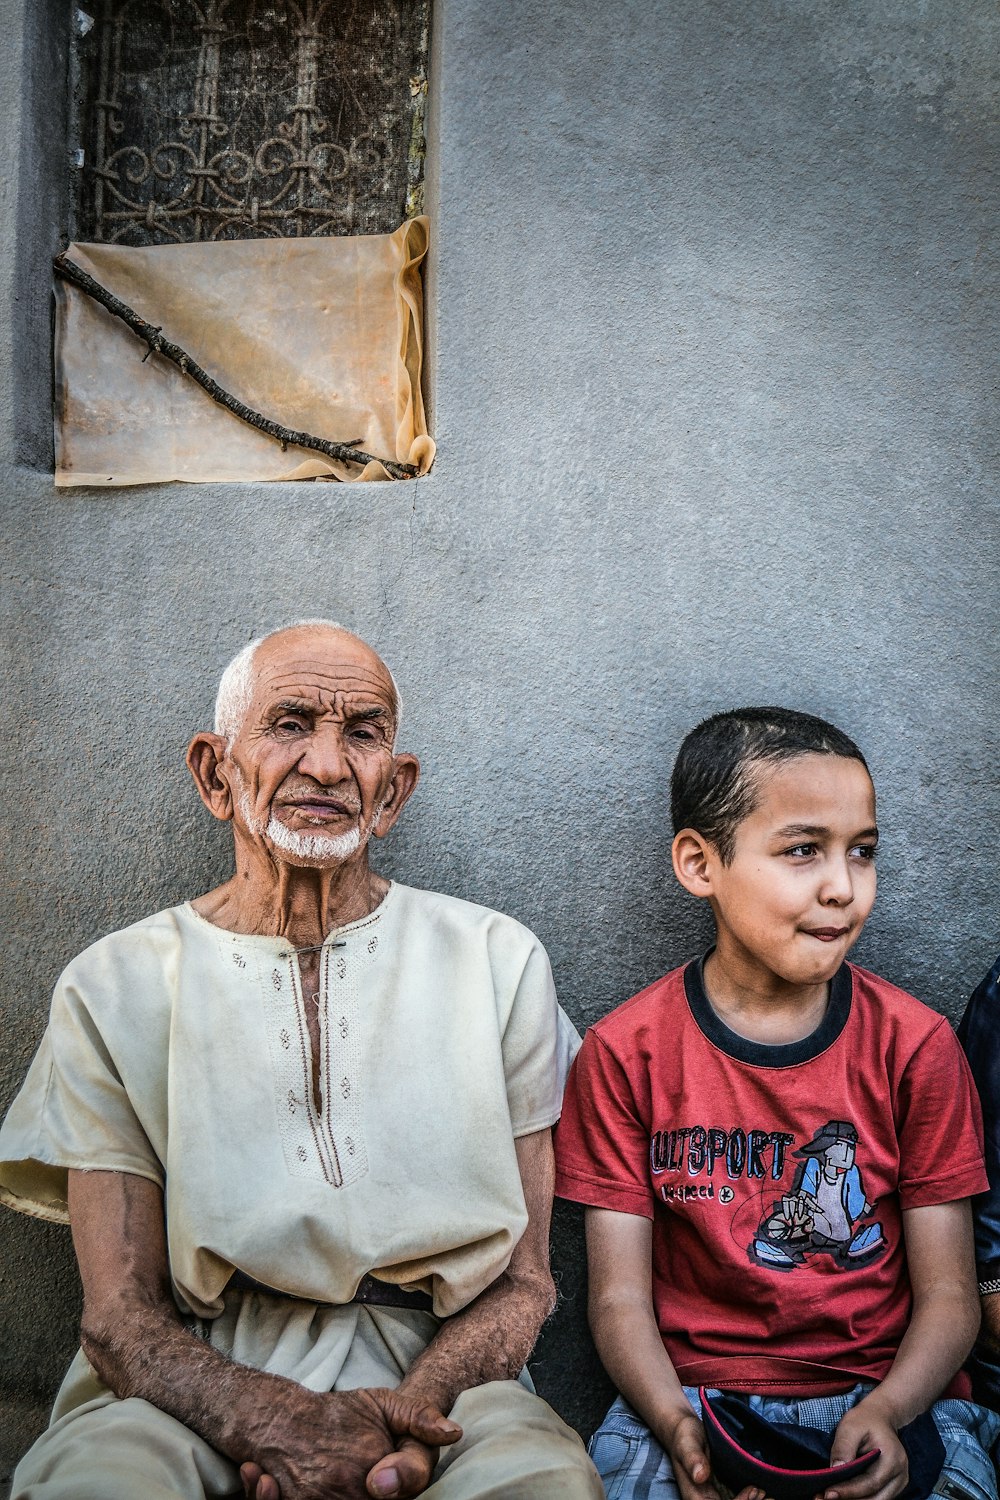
{"points": [[714, 366]]}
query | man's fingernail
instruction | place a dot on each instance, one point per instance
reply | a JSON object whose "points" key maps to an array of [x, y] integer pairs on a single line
{"points": [[386, 1482]]}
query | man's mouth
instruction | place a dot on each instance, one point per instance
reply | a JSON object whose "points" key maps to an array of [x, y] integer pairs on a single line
{"points": [[321, 808], [827, 934]]}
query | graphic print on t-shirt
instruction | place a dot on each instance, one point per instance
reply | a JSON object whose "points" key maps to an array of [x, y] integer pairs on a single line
{"points": [[824, 1212]]}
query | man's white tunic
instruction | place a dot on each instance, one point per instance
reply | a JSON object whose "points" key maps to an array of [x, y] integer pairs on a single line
{"points": [[179, 1051]]}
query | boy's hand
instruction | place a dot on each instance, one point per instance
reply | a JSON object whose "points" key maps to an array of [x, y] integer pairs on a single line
{"points": [[860, 1430], [688, 1451]]}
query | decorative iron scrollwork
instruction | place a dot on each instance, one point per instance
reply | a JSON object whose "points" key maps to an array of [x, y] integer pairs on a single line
{"points": [[242, 119]]}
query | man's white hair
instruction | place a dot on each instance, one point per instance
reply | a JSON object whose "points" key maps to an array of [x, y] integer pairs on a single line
{"points": [[232, 701]]}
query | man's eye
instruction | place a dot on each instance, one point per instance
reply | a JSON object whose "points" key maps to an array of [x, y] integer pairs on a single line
{"points": [[365, 733], [293, 726]]}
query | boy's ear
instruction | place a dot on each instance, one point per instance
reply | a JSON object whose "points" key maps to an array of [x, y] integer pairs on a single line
{"points": [[691, 859]]}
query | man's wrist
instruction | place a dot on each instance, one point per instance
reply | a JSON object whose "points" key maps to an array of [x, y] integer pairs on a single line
{"points": [[435, 1390]]}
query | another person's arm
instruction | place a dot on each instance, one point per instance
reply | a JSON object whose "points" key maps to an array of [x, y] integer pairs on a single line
{"points": [[941, 1332], [623, 1322], [978, 1034], [317, 1446]]}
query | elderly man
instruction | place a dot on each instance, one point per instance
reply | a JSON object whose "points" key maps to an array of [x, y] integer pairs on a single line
{"points": [[301, 1129]]}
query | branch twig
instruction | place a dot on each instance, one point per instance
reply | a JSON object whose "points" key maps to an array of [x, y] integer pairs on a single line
{"points": [[157, 344]]}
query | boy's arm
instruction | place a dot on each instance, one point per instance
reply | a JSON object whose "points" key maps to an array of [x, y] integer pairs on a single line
{"points": [[620, 1306], [942, 1329]]}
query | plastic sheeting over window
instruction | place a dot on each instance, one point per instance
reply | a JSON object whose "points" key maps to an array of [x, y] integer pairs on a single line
{"points": [[323, 335]]}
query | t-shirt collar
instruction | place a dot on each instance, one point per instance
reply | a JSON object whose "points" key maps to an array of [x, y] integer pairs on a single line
{"points": [[761, 1054]]}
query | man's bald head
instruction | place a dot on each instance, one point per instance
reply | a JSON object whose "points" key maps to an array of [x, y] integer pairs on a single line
{"points": [[236, 685]]}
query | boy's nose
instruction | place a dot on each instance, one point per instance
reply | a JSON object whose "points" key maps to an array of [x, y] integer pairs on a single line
{"points": [[838, 884]]}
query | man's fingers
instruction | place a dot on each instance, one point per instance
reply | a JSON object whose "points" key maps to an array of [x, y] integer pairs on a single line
{"points": [[427, 1424], [424, 1422], [250, 1474], [257, 1485], [406, 1472]]}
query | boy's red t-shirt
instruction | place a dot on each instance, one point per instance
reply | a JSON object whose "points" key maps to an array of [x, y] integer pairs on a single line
{"points": [[775, 1176]]}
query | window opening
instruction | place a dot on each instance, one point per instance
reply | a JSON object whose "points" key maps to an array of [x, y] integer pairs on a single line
{"points": [[242, 119]]}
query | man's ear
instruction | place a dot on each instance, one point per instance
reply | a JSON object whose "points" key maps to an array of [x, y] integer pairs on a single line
{"points": [[405, 775], [206, 753], [692, 858]]}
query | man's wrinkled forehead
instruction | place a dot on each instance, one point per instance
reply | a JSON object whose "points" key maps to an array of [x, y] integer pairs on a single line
{"points": [[339, 670]]}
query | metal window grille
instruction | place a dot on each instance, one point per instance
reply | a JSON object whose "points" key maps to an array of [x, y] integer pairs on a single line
{"points": [[237, 119]]}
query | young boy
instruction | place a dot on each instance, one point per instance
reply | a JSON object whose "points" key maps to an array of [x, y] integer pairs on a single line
{"points": [[776, 1149]]}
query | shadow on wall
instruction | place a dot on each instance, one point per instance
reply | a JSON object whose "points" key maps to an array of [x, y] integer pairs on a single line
{"points": [[565, 1366]]}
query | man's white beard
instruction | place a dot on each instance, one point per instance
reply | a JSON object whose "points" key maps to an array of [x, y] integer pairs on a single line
{"points": [[312, 848], [317, 848]]}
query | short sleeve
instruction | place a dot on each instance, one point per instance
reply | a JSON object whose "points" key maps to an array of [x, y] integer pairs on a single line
{"points": [[602, 1143], [539, 1043], [939, 1125], [72, 1112]]}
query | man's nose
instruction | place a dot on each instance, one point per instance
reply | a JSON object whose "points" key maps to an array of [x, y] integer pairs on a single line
{"points": [[323, 755]]}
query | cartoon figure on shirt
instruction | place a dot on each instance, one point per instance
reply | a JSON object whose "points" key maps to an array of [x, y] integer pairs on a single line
{"points": [[823, 1211]]}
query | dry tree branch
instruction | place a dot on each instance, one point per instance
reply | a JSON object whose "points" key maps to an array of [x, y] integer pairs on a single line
{"points": [[157, 344]]}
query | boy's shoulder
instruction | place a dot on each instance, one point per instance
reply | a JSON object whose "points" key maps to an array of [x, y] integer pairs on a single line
{"points": [[645, 1011], [893, 1006]]}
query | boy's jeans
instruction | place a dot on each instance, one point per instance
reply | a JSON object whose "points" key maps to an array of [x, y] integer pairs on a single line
{"points": [[633, 1466]]}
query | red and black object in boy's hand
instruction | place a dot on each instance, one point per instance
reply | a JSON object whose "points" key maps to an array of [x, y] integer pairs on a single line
{"points": [[786, 1461]]}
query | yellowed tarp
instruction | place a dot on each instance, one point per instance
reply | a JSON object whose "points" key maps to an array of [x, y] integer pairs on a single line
{"points": [[322, 335]]}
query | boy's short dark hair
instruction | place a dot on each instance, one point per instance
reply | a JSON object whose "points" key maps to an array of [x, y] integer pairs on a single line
{"points": [[712, 788]]}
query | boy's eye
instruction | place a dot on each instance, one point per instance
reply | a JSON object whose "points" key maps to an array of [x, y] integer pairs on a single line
{"points": [[801, 851], [865, 851]]}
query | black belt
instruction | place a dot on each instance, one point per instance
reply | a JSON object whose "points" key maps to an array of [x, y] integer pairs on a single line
{"points": [[370, 1292]]}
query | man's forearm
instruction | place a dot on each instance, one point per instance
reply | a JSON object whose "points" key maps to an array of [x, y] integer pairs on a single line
{"points": [[490, 1339], [314, 1444], [147, 1352]]}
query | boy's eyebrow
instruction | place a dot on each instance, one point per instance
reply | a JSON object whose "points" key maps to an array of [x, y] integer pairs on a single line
{"points": [[816, 830]]}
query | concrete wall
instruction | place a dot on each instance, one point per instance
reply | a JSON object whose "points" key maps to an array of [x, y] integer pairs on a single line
{"points": [[713, 385]]}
